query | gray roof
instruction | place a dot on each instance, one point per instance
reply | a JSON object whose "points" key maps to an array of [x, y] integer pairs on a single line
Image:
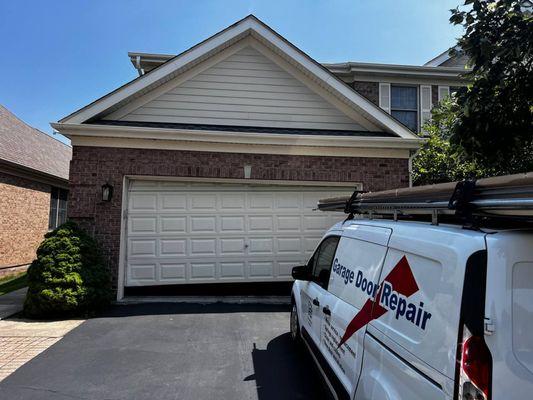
{"points": [[29, 147]]}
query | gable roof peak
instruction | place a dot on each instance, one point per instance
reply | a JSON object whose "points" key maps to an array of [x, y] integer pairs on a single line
{"points": [[217, 43]]}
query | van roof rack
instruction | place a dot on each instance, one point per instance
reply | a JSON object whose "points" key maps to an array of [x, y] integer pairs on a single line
{"points": [[469, 201]]}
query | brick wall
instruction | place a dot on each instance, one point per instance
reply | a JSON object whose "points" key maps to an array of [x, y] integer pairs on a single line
{"points": [[24, 211], [91, 167], [368, 89]]}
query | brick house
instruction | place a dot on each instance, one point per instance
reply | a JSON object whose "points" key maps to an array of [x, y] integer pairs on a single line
{"points": [[33, 189], [207, 167]]}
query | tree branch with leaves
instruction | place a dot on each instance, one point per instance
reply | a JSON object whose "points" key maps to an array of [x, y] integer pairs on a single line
{"points": [[494, 113]]}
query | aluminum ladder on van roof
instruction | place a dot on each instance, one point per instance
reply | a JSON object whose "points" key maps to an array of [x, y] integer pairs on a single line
{"points": [[508, 198]]}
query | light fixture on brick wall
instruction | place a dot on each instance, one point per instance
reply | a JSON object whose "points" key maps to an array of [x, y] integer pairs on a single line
{"points": [[247, 171], [107, 192]]}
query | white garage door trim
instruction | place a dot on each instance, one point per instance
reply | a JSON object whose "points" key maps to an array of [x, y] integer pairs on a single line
{"points": [[192, 189]]}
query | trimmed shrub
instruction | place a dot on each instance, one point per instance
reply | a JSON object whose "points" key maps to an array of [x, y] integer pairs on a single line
{"points": [[68, 277]]}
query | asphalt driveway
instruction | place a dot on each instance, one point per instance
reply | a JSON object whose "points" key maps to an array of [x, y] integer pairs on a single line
{"points": [[172, 351]]}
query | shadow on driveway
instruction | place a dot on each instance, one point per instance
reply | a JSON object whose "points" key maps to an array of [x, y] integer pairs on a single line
{"points": [[276, 376]]}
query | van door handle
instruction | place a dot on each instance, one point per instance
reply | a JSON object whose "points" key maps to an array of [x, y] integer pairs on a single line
{"points": [[326, 310], [316, 302]]}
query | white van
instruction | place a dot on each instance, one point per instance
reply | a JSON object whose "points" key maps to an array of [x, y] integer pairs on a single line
{"points": [[395, 309]]}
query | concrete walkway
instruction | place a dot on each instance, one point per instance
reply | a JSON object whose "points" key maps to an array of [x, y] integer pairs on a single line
{"points": [[20, 339], [12, 303]]}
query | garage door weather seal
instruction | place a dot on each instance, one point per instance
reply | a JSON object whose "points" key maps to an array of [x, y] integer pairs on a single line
{"points": [[206, 299]]}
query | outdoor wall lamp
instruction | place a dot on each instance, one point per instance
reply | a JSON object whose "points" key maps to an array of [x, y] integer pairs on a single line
{"points": [[107, 192]]}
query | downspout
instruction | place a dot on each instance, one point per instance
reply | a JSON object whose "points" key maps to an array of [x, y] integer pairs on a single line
{"points": [[412, 154], [138, 65]]}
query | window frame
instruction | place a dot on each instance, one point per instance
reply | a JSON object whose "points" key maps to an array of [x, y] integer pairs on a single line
{"points": [[316, 255], [58, 207], [416, 110]]}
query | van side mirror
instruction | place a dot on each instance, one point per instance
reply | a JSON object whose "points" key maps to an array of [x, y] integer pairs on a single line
{"points": [[301, 273]]}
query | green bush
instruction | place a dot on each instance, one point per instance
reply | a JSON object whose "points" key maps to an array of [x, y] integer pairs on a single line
{"points": [[68, 277], [438, 160]]}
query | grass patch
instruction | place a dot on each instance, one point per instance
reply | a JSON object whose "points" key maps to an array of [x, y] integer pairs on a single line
{"points": [[13, 282]]}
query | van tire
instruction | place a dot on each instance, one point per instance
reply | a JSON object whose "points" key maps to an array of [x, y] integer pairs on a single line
{"points": [[295, 324]]}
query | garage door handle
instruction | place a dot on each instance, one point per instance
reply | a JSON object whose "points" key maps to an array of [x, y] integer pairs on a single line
{"points": [[326, 311], [316, 302]]}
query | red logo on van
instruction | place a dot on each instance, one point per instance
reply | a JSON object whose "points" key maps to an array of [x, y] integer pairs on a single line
{"points": [[402, 280]]}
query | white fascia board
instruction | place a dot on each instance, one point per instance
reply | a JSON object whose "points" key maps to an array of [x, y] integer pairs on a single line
{"points": [[152, 57], [395, 68], [450, 74], [114, 131], [344, 68]]}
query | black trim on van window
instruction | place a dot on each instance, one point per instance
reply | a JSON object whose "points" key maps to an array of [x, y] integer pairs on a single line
{"points": [[335, 382], [472, 307], [403, 360], [473, 301]]}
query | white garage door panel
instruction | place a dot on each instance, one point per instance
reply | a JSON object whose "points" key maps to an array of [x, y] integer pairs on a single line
{"points": [[201, 232]]}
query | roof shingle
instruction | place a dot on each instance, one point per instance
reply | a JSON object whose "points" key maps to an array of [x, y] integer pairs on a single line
{"points": [[29, 147], [239, 128]]}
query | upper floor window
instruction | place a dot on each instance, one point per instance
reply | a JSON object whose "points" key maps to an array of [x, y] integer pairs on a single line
{"points": [[404, 105], [58, 207]]}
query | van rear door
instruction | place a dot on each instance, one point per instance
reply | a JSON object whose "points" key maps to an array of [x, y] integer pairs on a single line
{"points": [[509, 313], [411, 341]]}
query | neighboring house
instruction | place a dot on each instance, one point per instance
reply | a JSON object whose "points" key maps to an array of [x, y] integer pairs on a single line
{"points": [[33, 189], [207, 167]]}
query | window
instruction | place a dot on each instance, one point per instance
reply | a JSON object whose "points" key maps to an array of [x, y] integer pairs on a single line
{"points": [[323, 259], [444, 91], [58, 207], [404, 105]]}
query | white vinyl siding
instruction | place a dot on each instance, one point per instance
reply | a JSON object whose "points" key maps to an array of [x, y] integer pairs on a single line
{"points": [[246, 89], [384, 96], [202, 232]]}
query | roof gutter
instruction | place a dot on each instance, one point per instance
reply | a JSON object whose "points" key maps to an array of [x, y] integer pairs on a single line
{"points": [[23, 171], [350, 68], [139, 60], [131, 132]]}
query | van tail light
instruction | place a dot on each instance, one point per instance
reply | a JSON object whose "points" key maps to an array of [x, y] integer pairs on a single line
{"points": [[475, 368]]}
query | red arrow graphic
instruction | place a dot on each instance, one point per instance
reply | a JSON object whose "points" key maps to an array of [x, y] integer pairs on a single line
{"points": [[402, 280]]}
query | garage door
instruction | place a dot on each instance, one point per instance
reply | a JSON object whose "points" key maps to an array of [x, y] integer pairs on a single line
{"points": [[197, 233]]}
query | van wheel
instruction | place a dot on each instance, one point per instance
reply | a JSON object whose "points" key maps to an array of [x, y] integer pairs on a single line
{"points": [[295, 325]]}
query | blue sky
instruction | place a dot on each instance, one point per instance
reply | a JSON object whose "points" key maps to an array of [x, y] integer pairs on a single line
{"points": [[59, 55]]}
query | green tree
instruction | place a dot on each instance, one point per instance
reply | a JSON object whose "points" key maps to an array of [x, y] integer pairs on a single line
{"points": [[494, 114], [438, 160], [68, 277]]}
